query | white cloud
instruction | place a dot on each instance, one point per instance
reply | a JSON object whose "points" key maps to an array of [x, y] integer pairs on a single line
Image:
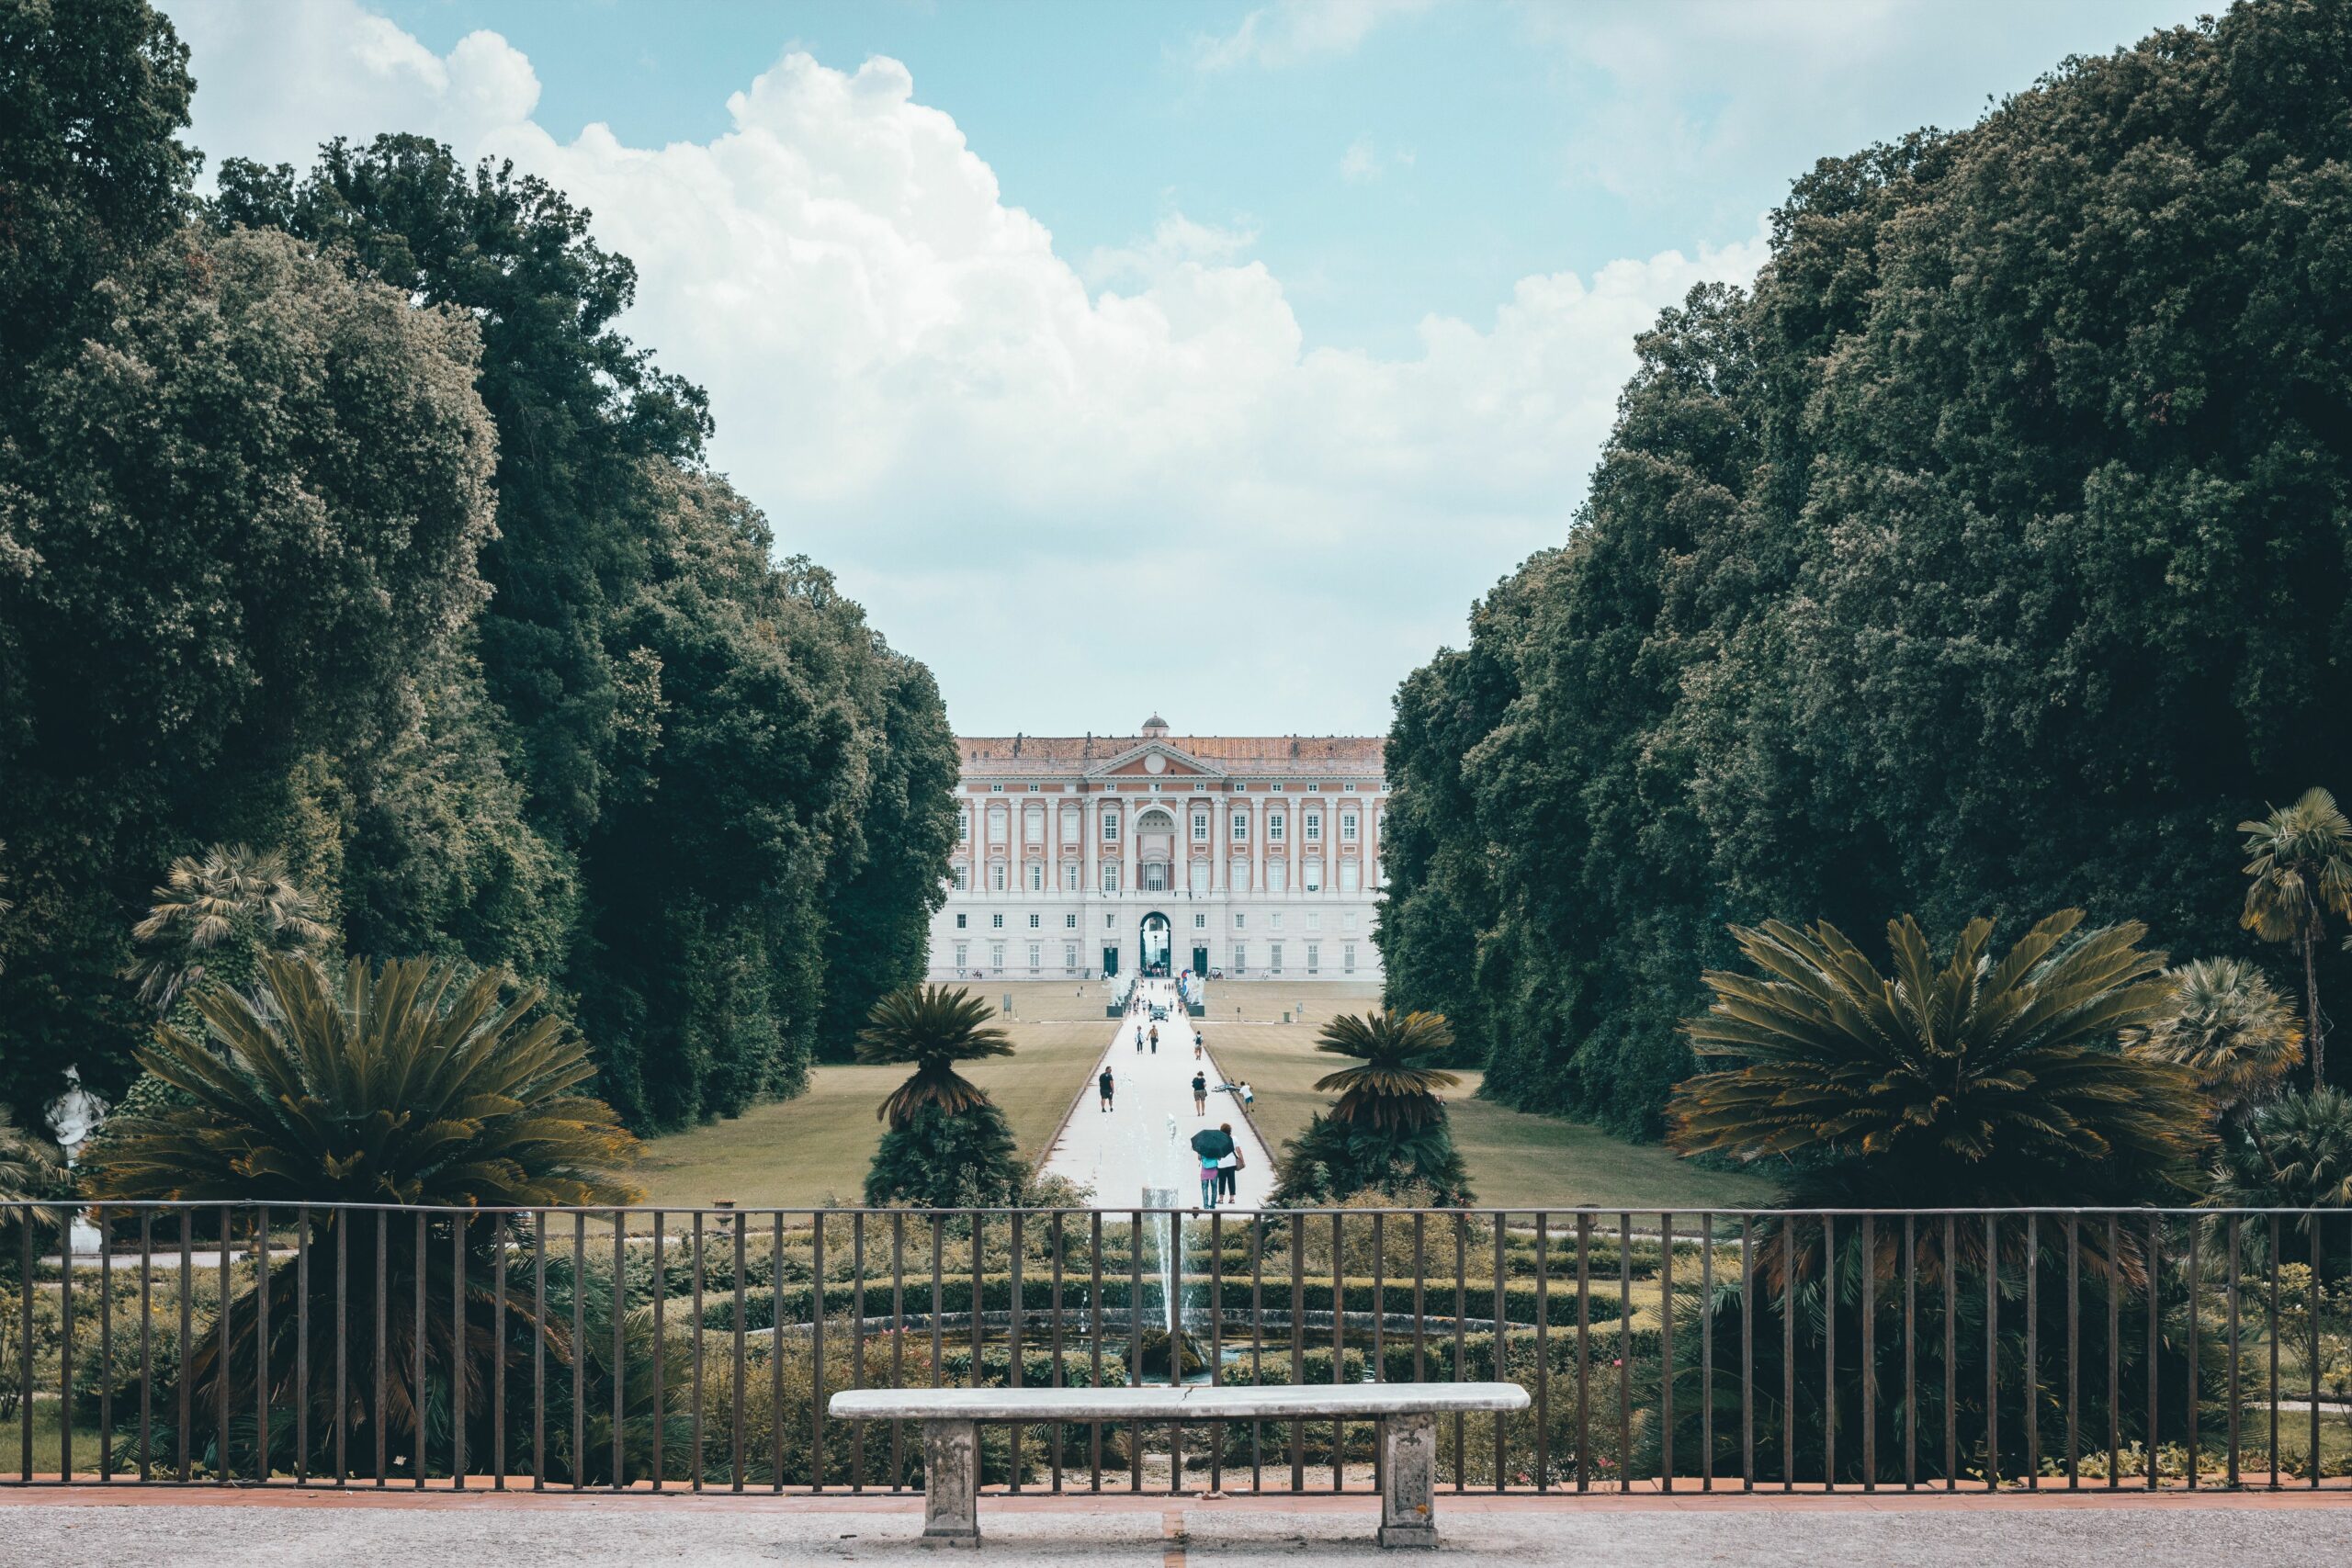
{"points": [[1293, 32], [1072, 500], [1360, 164]]}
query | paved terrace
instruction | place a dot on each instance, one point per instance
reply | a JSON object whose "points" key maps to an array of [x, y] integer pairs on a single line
{"points": [[228, 1529]]}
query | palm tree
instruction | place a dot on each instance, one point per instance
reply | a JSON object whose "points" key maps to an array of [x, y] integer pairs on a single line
{"points": [[2299, 871], [2297, 1155], [1394, 1089], [398, 1087], [933, 1028], [229, 901], [26, 1163], [2225, 1022], [1387, 1132], [1972, 1082]]}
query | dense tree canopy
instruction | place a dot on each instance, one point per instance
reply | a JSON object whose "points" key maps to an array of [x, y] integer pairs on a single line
{"points": [[1990, 556], [337, 520]]}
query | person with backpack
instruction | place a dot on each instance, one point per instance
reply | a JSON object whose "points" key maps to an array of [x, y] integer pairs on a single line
{"points": [[1104, 1083], [1200, 1094]]}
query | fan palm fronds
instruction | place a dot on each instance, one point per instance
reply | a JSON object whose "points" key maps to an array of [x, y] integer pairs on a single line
{"points": [[2227, 1024], [26, 1161], [1969, 1082], [933, 1028], [206, 901], [1392, 1089], [400, 1087], [2299, 871]]}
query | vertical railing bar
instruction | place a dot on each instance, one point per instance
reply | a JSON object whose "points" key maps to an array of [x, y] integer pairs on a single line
{"points": [[1624, 1347], [2316, 1277], [342, 1347], [422, 1456], [817, 1313], [261, 1348], [1951, 1353], [1910, 1352], [660, 1421], [1584, 1347], [147, 1344], [1379, 1366], [1868, 1261], [181, 1348], [1216, 1343], [857, 1341], [28, 1218], [1992, 1353], [539, 1221], [1542, 1351], [1135, 1343], [1297, 1347], [1057, 1434], [1666, 1354], [1828, 1354], [579, 1351], [2193, 1277], [620, 1348], [898, 1337], [302, 1344], [458, 1228], [2155, 1297], [694, 1322], [2231, 1276], [1461, 1306], [1746, 1353], [66, 1343], [1502, 1346], [2273, 1238], [736, 1464], [1788, 1353], [106, 1353], [2114, 1349], [2033, 1352], [2074, 1350], [776, 1345], [1093, 1335], [1706, 1352], [1257, 1345], [499, 1231], [1012, 1338], [1339, 1315], [220, 1382]]}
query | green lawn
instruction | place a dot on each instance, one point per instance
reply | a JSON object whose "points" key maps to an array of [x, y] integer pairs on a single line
{"points": [[807, 1152]]}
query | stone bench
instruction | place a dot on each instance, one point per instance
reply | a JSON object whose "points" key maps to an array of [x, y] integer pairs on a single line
{"points": [[1407, 1413]]}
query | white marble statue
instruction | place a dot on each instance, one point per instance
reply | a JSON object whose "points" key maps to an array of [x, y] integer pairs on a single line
{"points": [[73, 1116]]}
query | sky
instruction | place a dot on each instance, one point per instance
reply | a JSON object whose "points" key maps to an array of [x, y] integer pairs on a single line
{"points": [[1212, 358]]}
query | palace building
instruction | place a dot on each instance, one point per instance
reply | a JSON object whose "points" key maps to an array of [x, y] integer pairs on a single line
{"points": [[1082, 858]]}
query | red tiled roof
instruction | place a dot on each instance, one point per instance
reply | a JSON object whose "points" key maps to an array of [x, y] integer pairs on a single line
{"points": [[1303, 755]]}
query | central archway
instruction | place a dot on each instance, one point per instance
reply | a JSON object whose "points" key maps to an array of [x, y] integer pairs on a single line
{"points": [[1158, 937]]}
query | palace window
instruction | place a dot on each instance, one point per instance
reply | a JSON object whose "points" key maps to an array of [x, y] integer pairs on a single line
{"points": [[1036, 953], [1199, 922], [1069, 828], [995, 789], [1036, 876], [996, 922], [1241, 957], [1069, 922], [1274, 826], [1314, 789], [963, 954], [1314, 956], [1314, 825], [1347, 826], [1032, 825], [1348, 920], [1110, 922], [1069, 876], [1240, 922], [1241, 827], [1070, 954], [1239, 878], [996, 955], [1035, 788], [1311, 876], [1200, 876], [1315, 919], [1109, 827], [1274, 957], [1110, 877], [959, 922], [1348, 788], [996, 824], [963, 824], [996, 877], [1350, 877], [1200, 826], [1347, 958], [1276, 788], [963, 876], [1277, 876], [1032, 923], [1278, 919]]}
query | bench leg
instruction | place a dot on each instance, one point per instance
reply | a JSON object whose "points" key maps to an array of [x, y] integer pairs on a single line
{"points": [[1409, 1481], [951, 1483]]}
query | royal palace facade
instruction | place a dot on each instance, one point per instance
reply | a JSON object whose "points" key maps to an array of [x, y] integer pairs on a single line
{"points": [[1082, 858]]}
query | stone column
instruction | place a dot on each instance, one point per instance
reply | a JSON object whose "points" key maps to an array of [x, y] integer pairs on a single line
{"points": [[1408, 1480], [951, 1474]]}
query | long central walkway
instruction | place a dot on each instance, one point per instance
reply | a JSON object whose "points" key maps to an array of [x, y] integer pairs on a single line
{"points": [[1144, 1140]]}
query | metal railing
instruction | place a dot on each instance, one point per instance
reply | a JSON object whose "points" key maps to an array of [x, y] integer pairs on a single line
{"points": [[655, 1350]]}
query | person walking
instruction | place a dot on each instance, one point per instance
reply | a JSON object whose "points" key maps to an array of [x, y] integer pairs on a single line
{"points": [[1247, 1098], [1200, 1094], [1154, 1040], [1104, 1083], [1138, 1039], [1198, 1045], [1229, 1168]]}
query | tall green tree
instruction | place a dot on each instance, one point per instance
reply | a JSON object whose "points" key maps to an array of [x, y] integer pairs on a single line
{"points": [[1949, 567], [2299, 872], [948, 1146], [1387, 1131]]}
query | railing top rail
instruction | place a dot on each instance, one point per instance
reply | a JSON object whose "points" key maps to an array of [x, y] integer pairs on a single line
{"points": [[1478, 1212]]}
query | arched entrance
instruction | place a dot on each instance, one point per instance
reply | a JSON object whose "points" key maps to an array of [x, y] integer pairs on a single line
{"points": [[1154, 949], [1155, 850]]}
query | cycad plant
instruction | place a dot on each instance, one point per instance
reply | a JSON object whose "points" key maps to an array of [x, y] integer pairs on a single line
{"points": [[399, 1085], [947, 1145], [219, 911], [2226, 1023], [1387, 1130], [2299, 872], [1971, 1082], [28, 1163]]}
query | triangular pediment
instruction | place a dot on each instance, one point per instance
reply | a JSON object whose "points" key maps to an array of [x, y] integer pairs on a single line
{"points": [[1155, 760]]}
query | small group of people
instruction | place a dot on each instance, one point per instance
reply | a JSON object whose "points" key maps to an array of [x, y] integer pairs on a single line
{"points": [[1220, 1159]]}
